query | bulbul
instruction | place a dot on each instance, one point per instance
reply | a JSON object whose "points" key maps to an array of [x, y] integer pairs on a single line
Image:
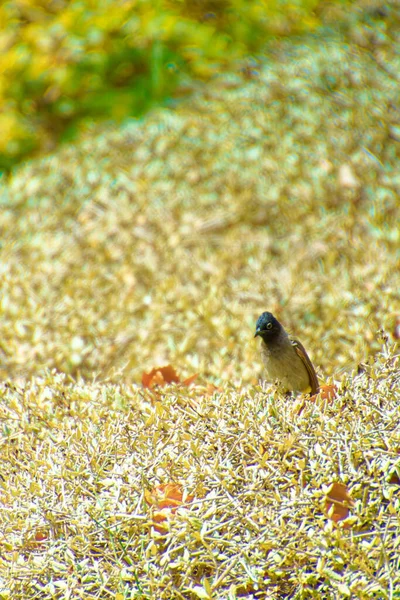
{"points": [[285, 359]]}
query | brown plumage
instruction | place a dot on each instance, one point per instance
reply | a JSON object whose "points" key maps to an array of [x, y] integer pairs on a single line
{"points": [[286, 360]]}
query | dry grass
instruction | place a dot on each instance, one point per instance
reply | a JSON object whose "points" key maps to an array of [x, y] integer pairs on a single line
{"points": [[161, 243], [76, 460]]}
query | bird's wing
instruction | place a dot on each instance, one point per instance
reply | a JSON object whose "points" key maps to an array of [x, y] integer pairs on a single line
{"points": [[300, 350]]}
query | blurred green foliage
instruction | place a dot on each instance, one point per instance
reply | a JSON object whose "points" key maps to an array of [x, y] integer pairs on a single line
{"points": [[65, 64]]}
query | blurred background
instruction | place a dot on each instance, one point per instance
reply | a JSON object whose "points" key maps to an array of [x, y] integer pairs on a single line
{"points": [[66, 65], [172, 169]]}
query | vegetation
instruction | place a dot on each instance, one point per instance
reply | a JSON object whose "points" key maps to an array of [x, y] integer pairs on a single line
{"points": [[161, 242], [69, 64]]}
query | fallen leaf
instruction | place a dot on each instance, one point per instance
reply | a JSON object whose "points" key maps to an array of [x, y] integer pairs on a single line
{"points": [[160, 376], [41, 536], [167, 495], [394, 478], [338, 502], [190, 380], [37, 539], [160, 521], [326, 392], [211, 389], [166, 498], [396, 330]]}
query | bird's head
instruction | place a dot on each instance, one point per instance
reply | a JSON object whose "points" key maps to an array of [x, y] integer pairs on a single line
{"points": [[267, 327]]}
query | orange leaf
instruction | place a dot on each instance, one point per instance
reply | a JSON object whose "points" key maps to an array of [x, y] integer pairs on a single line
{"points": [[41, 536], [328, 392], [36, 539], [159, 520], [211, 389], [161, 515], [190, 380], [337, 502], [396, 329], [160, 376], [166, 499], [394, 478], [167, 495]]}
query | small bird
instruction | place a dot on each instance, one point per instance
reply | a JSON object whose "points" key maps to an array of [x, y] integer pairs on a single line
{"points": [[285, 359]]}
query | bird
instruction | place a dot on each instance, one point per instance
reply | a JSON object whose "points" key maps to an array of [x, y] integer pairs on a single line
{"points": [[285, 359]]}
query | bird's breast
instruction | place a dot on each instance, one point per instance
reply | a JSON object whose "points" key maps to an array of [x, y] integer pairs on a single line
{"points": [[285, 367]]}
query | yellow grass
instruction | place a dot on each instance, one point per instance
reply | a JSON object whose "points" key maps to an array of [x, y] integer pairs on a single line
{"points": [[161, 243]]}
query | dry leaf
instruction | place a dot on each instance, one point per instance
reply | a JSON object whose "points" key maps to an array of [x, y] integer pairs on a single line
{"points": [[41, 536], [396, 330], [166, 498], [190, 380], [338, 502], [211, 389], [328, 392], [160, 376], [37, 539], [394, 478], [167, 495]]}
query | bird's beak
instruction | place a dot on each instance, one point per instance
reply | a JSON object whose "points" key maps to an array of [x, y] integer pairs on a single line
{"points": [[258, 332]]}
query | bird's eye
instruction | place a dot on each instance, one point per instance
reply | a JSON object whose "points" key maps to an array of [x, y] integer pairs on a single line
{"points": [[269, 325]]}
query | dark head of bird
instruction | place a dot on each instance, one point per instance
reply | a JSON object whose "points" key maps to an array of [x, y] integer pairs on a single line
{"points": [[268, 327]]}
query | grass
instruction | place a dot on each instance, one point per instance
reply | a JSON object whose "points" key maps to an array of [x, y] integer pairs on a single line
{"points": [[161, 242], [79, 457]]}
